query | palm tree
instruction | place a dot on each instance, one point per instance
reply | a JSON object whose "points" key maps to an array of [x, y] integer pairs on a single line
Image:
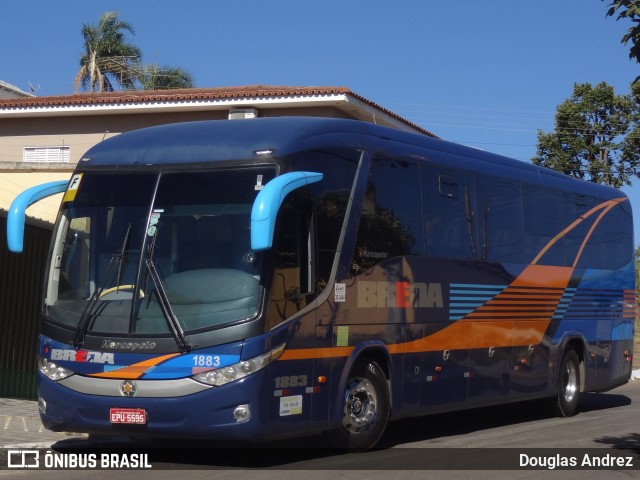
{"points": [[108, 58], [165, 77]]}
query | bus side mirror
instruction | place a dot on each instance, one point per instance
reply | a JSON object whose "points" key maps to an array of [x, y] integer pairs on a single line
{"points": [[15, 217], [267, 203]]}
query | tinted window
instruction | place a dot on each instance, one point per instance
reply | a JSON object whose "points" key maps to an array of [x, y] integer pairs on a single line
{"points": [[449, 205], [543, 220], [391, 221], [331, 197], [607, 227], [308, 230], [500, 216], [575, 207], [293, 281]]}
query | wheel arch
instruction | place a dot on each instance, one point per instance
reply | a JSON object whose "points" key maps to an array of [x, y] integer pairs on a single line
{"points": [[578, 343]]}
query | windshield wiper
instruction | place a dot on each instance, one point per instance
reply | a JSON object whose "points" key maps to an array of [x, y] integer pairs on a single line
{"points": [[165, 306], [125, 245], [90, 310]]}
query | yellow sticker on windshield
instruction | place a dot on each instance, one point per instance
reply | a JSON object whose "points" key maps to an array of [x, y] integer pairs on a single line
{"points": [[72, 189]]}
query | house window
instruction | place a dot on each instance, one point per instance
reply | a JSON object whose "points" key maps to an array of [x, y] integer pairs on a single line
{"points": [[46, 154]]}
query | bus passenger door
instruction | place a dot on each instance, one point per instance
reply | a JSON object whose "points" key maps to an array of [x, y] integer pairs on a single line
{"points": [[291, 288]]}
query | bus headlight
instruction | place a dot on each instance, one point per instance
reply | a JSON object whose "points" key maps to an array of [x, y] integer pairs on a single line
{"points": [[52, 370], [231, 373]]}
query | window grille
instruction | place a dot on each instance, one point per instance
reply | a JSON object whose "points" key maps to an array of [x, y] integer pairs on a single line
{"points": [[47, 154]]}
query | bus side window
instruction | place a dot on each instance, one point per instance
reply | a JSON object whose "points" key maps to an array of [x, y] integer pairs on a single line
{"points": [[450, 219], [293, 282], [500, 219], [391, 222], [609, 245], [74, 261], [543, 220], [575, 206], [331, 199]]}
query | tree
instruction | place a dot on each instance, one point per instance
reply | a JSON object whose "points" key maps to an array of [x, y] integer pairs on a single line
{"points": [[629, 9], [165, 77], [596, 136], [109, 60], [107, 57]]}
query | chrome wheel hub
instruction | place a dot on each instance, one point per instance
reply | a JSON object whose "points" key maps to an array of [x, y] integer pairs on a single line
{"points": [[569, 382], [360, 405]]}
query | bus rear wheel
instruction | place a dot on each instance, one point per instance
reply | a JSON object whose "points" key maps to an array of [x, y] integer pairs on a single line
{"points": [[568, 384], [365, 409]]}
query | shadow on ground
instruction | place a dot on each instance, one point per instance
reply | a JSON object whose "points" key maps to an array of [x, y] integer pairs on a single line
{"points": [[313, 453]]}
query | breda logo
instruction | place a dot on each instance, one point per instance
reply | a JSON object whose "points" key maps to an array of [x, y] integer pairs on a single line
{"points": [[399, 295], [84, 356]]}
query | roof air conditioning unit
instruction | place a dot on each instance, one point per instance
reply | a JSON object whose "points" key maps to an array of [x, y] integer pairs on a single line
{"points": [[242, 113]]}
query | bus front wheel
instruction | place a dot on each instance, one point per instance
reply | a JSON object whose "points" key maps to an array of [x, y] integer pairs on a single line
{"points": [[568, 384], [365, 409]]}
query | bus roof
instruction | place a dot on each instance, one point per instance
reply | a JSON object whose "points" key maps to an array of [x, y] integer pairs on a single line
{"points": [[219, 140], [224, 140]]}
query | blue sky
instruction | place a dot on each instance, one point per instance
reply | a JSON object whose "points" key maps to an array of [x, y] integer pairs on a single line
{"points": [[485, 73]]}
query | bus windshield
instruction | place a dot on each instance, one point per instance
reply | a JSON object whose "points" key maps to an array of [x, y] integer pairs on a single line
{"points": [[156, 253]]}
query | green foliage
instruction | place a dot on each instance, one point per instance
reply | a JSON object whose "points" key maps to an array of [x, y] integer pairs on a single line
{"points": [[165, 77], [628, 9], [596, 136]]}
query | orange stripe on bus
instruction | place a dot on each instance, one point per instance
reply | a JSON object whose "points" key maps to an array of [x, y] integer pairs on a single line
{"points": [[461, 335], [544, 276], [309, 353], [136, 370]]}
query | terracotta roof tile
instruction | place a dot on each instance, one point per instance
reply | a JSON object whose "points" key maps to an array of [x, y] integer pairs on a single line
{"points": [[164, 95], [191, 94]]}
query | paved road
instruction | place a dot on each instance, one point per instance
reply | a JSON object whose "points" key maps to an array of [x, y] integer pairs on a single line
{"points": [[608, 423]]}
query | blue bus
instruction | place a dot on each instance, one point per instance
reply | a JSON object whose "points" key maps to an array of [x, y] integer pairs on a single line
{"points": [[278, 277]]}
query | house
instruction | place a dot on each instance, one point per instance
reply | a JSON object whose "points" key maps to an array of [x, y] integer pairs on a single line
{"points": [[42, 138], [10, 91]]}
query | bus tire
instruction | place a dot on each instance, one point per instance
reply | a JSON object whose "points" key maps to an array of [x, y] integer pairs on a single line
{"points": [[568, 384], [365, 408]]}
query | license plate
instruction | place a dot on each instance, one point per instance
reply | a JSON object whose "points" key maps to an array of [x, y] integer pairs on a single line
{"points": [[137, 416]]}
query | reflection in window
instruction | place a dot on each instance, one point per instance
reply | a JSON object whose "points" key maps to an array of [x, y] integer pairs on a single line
{"points": [[391, 222], [500, 212], [609, 244], [543, 219], [449, 214], [308, 229]]}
